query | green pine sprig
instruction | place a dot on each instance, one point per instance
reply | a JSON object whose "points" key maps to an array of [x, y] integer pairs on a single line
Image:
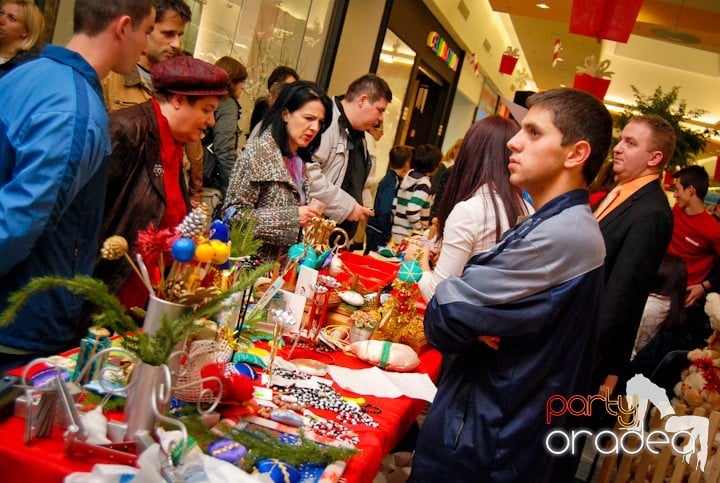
{"points": [[242, 235], [153, 349]]}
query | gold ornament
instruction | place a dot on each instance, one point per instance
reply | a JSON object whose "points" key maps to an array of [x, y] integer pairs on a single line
{"points": [[114, 247]]}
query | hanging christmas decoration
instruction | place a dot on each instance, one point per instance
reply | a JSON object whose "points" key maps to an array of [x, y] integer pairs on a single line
{"points": [[593, 76], [508, 61], [557, 47]]}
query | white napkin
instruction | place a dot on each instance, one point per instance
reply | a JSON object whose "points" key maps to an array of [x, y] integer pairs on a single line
{"points": [[376, 382]]}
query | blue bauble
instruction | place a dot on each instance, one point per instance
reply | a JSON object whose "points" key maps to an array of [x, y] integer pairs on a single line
{"points": [[247, 370], [183, 250], [219, 231], [279, 471]]}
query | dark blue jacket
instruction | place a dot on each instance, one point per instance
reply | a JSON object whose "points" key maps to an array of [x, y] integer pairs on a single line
{"points": [[538, 290], [382, 221], [54, 147]]}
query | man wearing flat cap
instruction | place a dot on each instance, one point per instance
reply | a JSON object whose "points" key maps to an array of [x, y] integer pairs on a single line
{"points": [[145, 183]]}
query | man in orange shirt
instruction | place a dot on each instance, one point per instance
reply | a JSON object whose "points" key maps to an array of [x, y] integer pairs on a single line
{"points": [[636, 224]]}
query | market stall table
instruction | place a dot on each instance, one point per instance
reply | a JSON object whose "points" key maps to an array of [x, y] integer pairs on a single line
{"points": [[44, 460]]}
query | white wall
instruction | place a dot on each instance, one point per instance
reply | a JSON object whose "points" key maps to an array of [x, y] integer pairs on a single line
{"points": [[461, 118]]}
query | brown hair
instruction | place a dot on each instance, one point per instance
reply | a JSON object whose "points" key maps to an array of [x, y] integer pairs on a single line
{"points": [[91, 17], [236, 71], [579, 116], [372, 86], [663, 135], [483, 158]]}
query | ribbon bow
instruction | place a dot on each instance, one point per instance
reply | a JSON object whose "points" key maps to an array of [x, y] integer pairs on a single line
{"points": [[512, 52], [592, 68]]}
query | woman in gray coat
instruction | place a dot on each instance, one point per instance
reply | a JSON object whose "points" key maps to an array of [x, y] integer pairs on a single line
{"points": [[269, 175]]}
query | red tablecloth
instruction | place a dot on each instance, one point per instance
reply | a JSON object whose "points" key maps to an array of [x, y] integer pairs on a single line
{"points": [[44, 460]]}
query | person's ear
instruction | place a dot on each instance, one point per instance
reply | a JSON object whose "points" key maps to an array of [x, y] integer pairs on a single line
{"points": [[578, 154], [361, 100], [285, 115], [177, 100], [655, 158], [123, 26]]}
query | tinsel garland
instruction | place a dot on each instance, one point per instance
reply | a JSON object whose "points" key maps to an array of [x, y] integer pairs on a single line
{"points": [[262, 444], [399, 320]]}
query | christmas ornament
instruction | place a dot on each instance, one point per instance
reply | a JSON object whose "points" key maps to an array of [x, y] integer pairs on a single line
{"points": [[557, 47], [183, 250], [195, 223], [410, 271]]}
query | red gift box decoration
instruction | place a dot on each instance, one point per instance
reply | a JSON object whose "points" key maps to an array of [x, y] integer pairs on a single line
{"points": [[593, 77], [596, 86], [609, 19], [509, 61]]}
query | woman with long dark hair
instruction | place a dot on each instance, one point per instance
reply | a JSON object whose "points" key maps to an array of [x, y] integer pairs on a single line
{"points": [[479, 203], [269, 176]]}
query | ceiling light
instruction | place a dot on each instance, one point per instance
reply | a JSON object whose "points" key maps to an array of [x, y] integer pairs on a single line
{"points": [[542, 5]]}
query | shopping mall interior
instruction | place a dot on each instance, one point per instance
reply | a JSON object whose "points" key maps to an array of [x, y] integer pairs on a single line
{"points": [[443, 58]]}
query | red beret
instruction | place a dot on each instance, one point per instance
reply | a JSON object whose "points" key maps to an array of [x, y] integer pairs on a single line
{"points": [[186, 75]]}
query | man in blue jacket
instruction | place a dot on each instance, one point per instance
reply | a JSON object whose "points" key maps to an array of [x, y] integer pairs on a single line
{"points": [[538, 291], [54, 146]]}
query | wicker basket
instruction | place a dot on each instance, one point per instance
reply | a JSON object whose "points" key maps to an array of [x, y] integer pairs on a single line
{"points": [[202, 352]]}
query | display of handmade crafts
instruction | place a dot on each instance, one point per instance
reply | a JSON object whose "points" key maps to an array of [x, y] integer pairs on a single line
{"points": [[699, 384], [399, 320]]}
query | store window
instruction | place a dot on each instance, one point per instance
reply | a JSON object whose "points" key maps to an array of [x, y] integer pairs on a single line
{"points": [[262, 34], [396, 65]]}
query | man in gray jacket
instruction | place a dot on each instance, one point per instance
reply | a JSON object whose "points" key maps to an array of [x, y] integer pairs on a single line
{"points": [[342, 163]]}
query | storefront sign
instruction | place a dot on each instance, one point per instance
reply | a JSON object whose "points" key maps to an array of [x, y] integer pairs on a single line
{"points": [[438, 45]]}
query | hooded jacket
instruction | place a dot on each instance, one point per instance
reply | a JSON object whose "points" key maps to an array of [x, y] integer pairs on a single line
{"points": [[538, 290]]}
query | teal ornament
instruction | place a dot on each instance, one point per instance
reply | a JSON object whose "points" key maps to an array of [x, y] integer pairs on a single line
{"points": [[311, 259], [410, 271], [249, 358], [297, 251], [219, 231], [278, 471], [183, 250]]}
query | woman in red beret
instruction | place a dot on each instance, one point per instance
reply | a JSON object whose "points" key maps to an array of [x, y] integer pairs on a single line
{"points": [[145, 181], [269, 175]]}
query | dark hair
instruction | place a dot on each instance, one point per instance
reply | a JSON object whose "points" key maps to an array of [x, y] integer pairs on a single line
{"points": [[579, 116], [663, 135], [694, 176], [91, 17], [399, 155], [483, 158], [671, 281], [234, 68], [177, 6], [292, 98], [281, 74], [372, 86], [426, 158]]}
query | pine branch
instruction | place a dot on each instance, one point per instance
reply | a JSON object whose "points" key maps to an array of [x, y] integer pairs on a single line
{"points": [[242, 235], [95, 291]]}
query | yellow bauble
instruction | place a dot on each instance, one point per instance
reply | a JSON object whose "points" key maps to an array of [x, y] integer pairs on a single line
{"points": [[221, 251], [204, 252]]}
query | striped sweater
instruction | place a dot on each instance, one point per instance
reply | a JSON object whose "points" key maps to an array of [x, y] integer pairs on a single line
{"points": [[411, 207]]}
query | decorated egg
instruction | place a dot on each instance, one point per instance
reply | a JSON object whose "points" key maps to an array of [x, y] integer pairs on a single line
{"points": [[278, 471], [221, 251], [352, 298], [227, 450], [183, 249], [410, 271], [246, 370], [219, 231], [335, 266], [204, 252]]}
